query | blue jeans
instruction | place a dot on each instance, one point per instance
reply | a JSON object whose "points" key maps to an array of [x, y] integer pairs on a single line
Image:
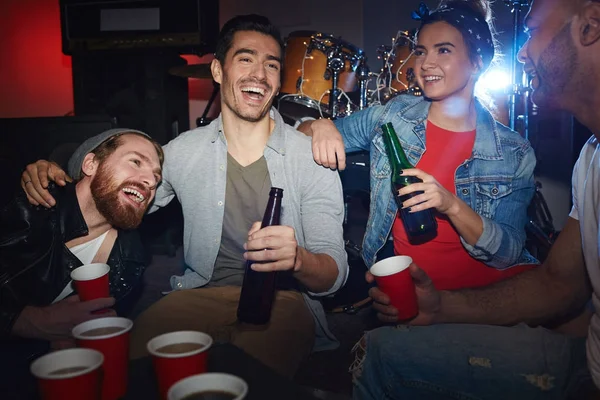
{"points": [[471, 362]]}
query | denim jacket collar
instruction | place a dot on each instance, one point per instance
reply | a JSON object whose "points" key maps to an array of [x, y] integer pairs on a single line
{"points": [[415, 112], [276, 141]]}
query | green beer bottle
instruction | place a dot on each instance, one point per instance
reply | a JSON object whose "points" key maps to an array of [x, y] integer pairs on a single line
{"points": [[418, 224]]}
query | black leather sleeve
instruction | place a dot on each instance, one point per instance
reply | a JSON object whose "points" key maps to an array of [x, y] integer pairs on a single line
{"points": [[14, 229], [18, 232]]}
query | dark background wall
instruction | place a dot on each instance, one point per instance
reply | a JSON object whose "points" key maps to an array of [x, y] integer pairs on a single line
{"points": [[36, 76]]}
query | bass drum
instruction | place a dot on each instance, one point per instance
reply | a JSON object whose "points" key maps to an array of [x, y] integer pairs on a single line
{"points": [[294, 112], [306, 78]]}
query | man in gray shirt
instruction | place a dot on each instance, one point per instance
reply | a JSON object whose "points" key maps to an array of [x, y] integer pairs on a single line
{"points": [[222, 174]]}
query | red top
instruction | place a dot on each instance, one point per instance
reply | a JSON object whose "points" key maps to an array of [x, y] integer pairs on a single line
{"points": [[444, 258]]}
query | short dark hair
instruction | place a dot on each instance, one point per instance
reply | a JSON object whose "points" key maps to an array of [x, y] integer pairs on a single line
{"points": [[240, 23], [111, 144]]}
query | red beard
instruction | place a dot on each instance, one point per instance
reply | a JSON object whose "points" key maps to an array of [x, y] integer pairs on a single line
{"points": [[105, 192]]}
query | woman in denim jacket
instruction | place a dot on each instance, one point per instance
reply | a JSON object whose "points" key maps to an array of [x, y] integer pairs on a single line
{"points": [[477, 174]]}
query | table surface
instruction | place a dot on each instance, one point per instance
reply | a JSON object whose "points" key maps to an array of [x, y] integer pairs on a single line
{"points": [[263, 382]]}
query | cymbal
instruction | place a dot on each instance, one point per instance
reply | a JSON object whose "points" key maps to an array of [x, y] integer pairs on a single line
{"points": [[198, 71]]}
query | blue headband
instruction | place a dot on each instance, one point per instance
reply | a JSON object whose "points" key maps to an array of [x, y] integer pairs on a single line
{"points": [[465, 21]]}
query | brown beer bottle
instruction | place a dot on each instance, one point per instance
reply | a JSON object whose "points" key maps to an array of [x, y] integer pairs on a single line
{"points": [[418, 224], [258, 289]]}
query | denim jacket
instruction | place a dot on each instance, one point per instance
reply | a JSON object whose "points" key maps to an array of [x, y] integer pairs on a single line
{"points": [[496, 181]]}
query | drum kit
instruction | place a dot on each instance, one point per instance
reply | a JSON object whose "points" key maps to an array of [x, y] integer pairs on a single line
{"points": [[325, 76]]}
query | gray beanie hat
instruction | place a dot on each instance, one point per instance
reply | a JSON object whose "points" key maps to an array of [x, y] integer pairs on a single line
{"points": [[76, 160]]}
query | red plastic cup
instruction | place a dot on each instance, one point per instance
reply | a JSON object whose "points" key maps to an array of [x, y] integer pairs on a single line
{"points": [[215, 381], [82, 382], [115, 348], [91, 281], [172, 367], [393, 278]]}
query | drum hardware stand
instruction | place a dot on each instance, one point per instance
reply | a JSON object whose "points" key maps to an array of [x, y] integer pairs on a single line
{"points": [[364, 75], [335, 63], [204, 120], [517, 88], [384, 53]]}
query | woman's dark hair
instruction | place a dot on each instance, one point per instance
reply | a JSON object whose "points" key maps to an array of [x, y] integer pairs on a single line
{"points": [[480, 8], [251, 22]]}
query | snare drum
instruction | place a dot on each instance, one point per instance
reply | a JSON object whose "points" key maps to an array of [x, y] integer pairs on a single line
{"points": [[306, 78]]}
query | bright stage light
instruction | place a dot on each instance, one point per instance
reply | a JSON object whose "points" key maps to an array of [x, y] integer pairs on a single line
{"points": [[494, 80]]}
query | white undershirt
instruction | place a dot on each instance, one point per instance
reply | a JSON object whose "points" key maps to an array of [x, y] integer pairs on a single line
{"points": [[586, 203], [85, 252]]}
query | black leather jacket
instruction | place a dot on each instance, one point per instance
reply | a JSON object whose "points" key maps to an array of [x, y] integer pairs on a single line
{"points": [[35, 264]]}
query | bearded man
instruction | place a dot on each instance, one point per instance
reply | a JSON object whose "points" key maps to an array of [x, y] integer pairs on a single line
{"points": [[117, 173], [491, 342], [222, 175]]}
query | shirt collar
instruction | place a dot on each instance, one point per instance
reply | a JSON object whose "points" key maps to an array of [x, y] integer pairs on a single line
{"points": [[276, 141]]}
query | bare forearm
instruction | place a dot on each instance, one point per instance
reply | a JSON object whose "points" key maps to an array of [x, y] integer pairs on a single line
{"points": [[533, 297], [306, 128], [320, 125], [467, 222], [317, 272]]}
